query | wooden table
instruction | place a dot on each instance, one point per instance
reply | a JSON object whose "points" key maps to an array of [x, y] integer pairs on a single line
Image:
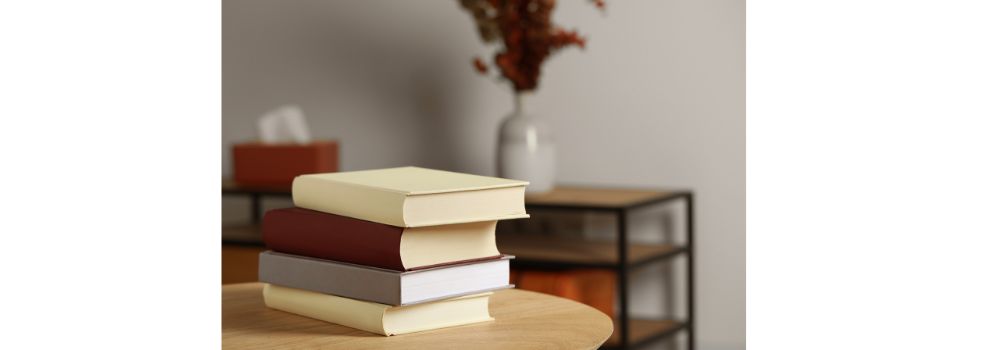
{"points": [[524, 320]]}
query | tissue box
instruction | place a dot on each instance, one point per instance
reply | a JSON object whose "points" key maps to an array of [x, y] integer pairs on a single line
{"points": [[259, 164]]}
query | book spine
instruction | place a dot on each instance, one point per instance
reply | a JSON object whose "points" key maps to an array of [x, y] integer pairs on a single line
{"points": [[351, 313], [332, 237], [329, 277], [354, 201]]}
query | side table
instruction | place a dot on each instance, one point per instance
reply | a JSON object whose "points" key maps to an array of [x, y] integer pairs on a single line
{"points": [[523, 320]]}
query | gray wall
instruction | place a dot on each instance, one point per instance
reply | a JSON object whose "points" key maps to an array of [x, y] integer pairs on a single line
{"points": [[656, 100]]}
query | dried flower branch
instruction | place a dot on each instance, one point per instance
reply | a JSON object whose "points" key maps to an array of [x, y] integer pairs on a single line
{"points": [[480, 65], [484, 13], [527, 34]]}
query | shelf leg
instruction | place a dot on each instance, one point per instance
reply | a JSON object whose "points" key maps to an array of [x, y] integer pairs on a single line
{"points": [[690, 270], [255, 208], [623, 324]]}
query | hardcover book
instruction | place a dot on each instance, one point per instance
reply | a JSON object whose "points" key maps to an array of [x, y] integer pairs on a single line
{"points": [[333, 237], [378, 318], [380, 285], [411, 196]]}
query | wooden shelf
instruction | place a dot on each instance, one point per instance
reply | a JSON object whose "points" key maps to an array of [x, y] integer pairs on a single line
{"points": [[230, 186], [598, 198], [241, 246], [543, 249], [239, 263], [242, 234], [641, 330]]}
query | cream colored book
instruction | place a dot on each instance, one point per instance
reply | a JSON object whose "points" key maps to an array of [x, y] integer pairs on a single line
{"points": [[411, 196], [378, 318]]}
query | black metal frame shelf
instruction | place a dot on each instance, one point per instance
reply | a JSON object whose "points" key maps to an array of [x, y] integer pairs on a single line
{"points": [[620, 263], [623, 266], [682, 325], [256, 194], [550, 264]]}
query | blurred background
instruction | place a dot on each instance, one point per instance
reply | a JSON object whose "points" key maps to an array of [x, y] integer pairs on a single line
{"points": [[655, 102]]}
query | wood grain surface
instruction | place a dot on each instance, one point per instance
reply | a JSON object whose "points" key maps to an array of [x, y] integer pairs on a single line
{"points": [[524, 320], [595, 197]]}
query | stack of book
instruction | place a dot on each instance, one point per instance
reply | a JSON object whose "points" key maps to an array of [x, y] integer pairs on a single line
{"points": [[389, 251]]}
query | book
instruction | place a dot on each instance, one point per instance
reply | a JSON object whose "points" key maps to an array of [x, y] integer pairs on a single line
{"points": [[378, 318], [334, 237], [411, 196], [380, 285]]}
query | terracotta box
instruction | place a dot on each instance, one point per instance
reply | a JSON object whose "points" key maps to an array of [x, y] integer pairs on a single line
{"points": [[276, 165]]}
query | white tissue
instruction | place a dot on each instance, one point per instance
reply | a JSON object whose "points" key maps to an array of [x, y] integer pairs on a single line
{"points": [[285, 124]]}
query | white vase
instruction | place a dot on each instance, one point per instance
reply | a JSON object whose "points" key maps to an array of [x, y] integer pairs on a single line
{"points": [[525, 150]]}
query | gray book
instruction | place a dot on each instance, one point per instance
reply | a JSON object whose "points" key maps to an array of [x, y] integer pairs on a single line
{"points": [[384, 286]]}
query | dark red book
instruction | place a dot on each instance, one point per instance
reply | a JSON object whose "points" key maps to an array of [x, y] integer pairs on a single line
{"points": [[333, 237]]}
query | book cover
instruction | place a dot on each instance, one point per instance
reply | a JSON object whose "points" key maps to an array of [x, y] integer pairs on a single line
{"points": [[411, 196], [334, 237], [378, 318], [381, 285]]}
